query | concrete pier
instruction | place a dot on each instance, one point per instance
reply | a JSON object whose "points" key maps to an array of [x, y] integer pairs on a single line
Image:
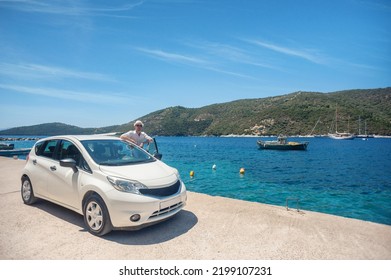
{"points": [[209, 228]]}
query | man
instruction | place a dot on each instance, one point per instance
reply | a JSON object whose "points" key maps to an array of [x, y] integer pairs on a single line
{"points": [[137, 136]]}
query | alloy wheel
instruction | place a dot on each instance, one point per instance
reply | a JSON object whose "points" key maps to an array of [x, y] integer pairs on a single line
{"points": [[94, 216], [26, 190]]}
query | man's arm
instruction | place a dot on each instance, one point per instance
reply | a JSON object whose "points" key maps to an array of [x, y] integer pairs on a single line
{"points": [[126, 137], [149, 138]]}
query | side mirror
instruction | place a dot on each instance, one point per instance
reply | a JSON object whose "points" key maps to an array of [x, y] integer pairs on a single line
{"points": [[69, 162]]}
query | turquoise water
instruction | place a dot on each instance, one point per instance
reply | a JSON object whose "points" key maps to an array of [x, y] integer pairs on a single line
{"points": [[345, 178]]}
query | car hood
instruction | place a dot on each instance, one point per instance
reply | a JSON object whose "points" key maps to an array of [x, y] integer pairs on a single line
{"points": [[151, 174]]}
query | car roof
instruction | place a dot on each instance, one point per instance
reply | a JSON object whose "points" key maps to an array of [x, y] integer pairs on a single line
{"points": [[84, 137]]}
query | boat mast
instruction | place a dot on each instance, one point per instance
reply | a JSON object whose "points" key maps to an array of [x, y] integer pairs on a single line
{"points": [[366, 131], [314, 126], [336, 118]]}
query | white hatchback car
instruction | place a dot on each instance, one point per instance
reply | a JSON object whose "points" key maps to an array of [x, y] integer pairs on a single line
{"points": [[112, 183]]}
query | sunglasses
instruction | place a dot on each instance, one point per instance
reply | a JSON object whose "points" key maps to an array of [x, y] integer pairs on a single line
{"points": [[139, 125]]}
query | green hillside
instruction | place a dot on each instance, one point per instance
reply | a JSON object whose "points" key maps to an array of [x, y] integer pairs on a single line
{"points": [[55, 129], [291, 114]]}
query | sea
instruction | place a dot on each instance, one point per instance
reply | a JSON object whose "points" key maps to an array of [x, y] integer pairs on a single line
{"points": [[348, 178]]}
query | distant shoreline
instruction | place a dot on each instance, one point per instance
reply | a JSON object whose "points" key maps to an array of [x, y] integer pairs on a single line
{"points": [[19, 138], [35, 138]]}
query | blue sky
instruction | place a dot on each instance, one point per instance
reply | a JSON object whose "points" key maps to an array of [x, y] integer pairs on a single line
{"points": [[94, 63]]}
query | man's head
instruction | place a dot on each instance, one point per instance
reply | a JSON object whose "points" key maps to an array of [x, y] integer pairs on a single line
{"points": [[138, 125]]}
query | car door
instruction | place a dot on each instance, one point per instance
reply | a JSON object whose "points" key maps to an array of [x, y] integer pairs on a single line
{"points": [[42, 162], [152, 148], [63, 185]]}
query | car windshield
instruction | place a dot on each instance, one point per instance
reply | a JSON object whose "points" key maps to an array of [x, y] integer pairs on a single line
{"points": [[115, 152]]}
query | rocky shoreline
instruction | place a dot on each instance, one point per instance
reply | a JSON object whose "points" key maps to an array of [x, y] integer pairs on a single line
{"points": [[19, 138]]}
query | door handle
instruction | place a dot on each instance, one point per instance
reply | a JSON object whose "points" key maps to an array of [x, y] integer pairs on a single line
{"points": [[53, 168], [34, 161]]}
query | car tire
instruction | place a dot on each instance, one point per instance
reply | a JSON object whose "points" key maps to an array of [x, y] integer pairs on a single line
{"points": [[96, 215], [27, 191]]}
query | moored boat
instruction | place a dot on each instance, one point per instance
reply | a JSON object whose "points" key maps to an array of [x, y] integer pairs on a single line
{"points": [[14, 152], [341, 136], [6, 146], [8, 150], [282, 144]]}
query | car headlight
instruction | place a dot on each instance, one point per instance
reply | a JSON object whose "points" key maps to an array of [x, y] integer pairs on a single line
{"points": [[124, 185]]}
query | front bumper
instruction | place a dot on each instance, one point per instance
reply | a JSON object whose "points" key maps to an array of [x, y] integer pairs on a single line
{"points": [[122, 206]]}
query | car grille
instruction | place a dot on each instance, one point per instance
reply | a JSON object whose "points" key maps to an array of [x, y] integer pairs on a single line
{"points": [[167, 209], [166, 191]]}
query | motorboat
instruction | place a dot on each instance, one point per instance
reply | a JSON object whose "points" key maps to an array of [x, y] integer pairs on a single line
{"points": [[6, 146], [8, 150], [282, 144]]}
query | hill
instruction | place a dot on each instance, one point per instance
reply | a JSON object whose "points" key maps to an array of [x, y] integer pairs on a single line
{"points": [[292, 114], [55, 129]]}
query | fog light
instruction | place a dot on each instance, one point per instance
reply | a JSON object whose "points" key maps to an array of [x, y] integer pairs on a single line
{"points": [[135, 217]]}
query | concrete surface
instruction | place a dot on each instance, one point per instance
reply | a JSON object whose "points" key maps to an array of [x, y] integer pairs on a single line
{"points": [[209, 228]]}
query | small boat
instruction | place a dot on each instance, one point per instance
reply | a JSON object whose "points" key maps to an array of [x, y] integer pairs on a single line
{"points": [[8, 150], [15, 152], [282, 144], [6, 146]]}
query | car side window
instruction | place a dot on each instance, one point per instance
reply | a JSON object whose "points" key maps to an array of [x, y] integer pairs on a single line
{"points": [[46, 148], [69, 150], [64, 149], [39, 148]]}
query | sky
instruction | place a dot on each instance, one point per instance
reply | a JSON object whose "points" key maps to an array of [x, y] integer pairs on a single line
{"points": [[95, 63]]}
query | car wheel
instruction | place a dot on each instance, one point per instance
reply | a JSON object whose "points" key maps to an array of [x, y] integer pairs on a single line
{"points": [[96, 216], [27, 191]]}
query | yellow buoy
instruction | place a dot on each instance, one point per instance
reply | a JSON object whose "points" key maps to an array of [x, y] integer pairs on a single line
{"points": [[191, 173], [241, 171]]}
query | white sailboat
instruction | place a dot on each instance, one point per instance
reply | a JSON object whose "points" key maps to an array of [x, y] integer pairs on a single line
{"points": [[340, 135], [364, 136]]}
